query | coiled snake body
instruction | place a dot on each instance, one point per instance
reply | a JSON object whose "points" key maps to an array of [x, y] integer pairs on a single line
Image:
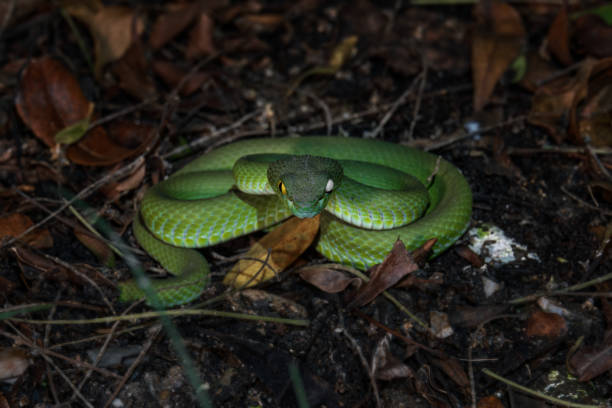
{"points": [[202, 204]]}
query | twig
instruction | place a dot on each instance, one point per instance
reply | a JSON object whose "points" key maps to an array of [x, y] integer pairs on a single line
{"points": [[584, 203], [109, 337], [77, 363], [145, 348], [400, 101], [471, 375], [206, 138], [428, 145], [355, 346], [8, 13], [603, 170], [562, 291], [556, 149], [169, 313], [386, 294], [122, 112], [110, 176], [417, 102], [324, 108], [536, 393]]}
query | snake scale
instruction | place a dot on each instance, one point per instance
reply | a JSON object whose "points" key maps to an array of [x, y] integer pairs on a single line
{"points": [[223, 195]]}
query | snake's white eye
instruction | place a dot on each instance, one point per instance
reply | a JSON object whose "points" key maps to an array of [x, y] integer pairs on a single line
{"points": [[329, 186]]}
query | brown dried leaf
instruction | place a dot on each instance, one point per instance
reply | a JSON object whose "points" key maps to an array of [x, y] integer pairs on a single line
{"points": [[558, 37], [114, 190], [385, 366], [50, 99], [467, 316], [543, 324], [466, 253], [440, 325], [260, 23], [172, 75], [49, 269], [201, 38], [554, 102], [6, 287], [589, 362], [538, 70], [594, 116], [274, 252], [453, 369], [102, 148], [99, 248], [170, 24], [133, 72], [327, 279], [397, 264], [13, 363], [490, 402], [497, 41], [593, 36], [113, 29], [13, 225]]}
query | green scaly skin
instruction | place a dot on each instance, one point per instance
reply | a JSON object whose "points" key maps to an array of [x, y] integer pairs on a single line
{"points": [[198, 207]]}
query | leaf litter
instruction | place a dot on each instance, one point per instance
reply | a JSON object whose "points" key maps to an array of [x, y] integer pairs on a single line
{"points": [[186, 73]]}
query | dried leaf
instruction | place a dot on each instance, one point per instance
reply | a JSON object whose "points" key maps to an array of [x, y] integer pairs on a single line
{"points": [[260, 23], [274, 252], [201, 38], [342, 52], [114, 190], [538, 70], [50, 99], [338, 57], [6, 286], [593, 36], [453, 369], [554, 102], [75, 132], [133, 72], [440, 325], [13, 225], [497, 41], [172, 75], [113, 29], [589, 362], [327, 279], [397, 264], [385, 366], [490, 402], [170, 24], [99, 248], [542, 324], [13, 363], [558, 37], [467, 316], [102, 148], [466, 253]]}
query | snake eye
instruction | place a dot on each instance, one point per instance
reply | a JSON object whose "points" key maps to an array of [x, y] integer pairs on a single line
{"points": [[281, 188], [329, 186]]}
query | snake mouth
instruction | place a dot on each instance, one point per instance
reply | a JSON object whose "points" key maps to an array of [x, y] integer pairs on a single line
{"points": [[307, 209]]}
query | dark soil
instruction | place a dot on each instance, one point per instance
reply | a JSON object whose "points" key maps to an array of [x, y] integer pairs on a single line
{"points": [[246, 363]]}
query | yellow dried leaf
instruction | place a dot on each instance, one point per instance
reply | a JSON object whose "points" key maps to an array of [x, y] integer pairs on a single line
{"points": [[274, 252]]}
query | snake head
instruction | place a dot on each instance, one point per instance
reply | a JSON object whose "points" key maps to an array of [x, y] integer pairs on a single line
{"points": [[305, 183]]}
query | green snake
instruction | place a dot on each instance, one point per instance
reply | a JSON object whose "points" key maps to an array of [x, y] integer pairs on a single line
{"points": [[372, 193]]}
